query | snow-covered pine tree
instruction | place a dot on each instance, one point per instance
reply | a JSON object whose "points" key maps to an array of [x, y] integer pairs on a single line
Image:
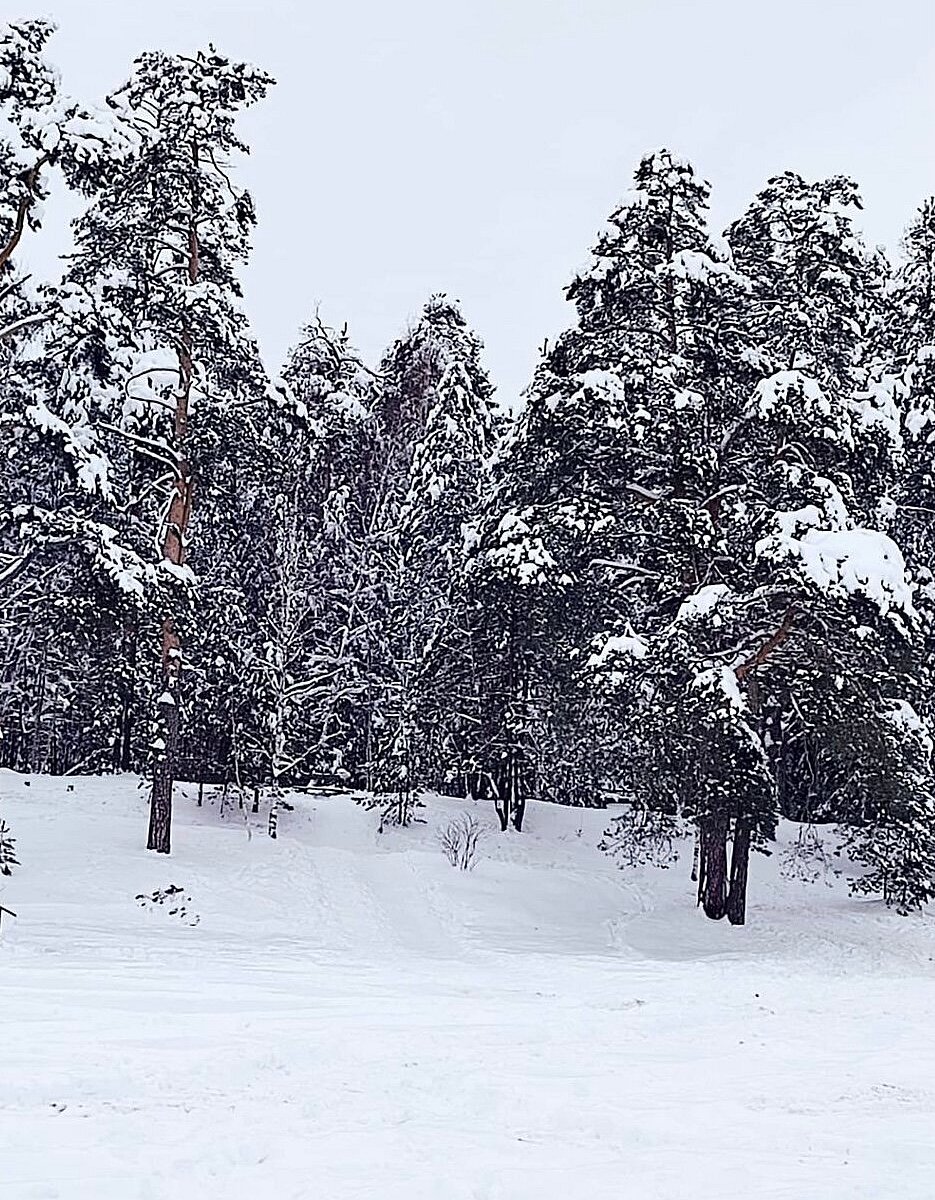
{"points": [[318, 605], [169, 368], [902, 381], [57, 554], [798, 632], [289, 675], [829, 607], [604, 517], [448, 477], [893, 829], [436, 426]]}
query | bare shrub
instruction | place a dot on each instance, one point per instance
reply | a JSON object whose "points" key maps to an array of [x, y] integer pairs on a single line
{"points": [[809, 859], [459, 840], [639, 836]]}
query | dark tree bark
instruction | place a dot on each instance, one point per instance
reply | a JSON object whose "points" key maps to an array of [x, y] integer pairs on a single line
{"points": [[166, 758], [713, 883], [127, 700], [739, 869], [501, 786]]}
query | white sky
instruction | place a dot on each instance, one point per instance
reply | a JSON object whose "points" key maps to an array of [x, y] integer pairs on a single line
{"points": [[475, 147]]}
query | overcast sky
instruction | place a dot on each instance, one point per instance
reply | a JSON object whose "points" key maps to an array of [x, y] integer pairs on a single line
{"points": [[414, 146]]}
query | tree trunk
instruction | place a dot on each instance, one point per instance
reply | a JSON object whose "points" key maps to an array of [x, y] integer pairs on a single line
{"points": [[500, 782], [127, 699], [714, 865], [518, 796], [160, 809], [174, 545], [739, 868], [273, 822]]}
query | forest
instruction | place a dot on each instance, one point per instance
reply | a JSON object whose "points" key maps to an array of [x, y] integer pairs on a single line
{"points": [[689, 573]]}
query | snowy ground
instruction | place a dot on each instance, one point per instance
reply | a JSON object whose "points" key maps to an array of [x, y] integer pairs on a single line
{"points": [[350, 1017]]}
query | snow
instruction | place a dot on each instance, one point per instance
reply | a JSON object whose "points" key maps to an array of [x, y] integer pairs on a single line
{"points": [[856, 562], [341, 1014], [841, 560], [902, 714], [610, 648], [702, 603], [521, 552], [697, 267], [721, 684], [687, 398], [795, 392]]}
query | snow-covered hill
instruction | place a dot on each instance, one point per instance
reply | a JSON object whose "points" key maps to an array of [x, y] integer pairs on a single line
{"points": [[341, 1014]]}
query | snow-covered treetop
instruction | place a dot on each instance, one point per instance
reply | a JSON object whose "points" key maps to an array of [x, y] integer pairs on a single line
{"points": [[813, 274], [328, 379], [659, 227], [417, 361], [914, 292], [27, 81], [44, 127], [196, 95]]}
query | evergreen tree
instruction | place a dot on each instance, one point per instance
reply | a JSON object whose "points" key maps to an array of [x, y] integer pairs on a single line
{"points": [[436, 423], [58, 556], [170, 373], [325, 487], [283, 665], [837, 622], [803, 628], [602, 520], [892, 828]]}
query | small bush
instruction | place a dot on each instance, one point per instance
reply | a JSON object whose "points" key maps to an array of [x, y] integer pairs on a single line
{"points": [[459, 839], [8, 859], [808, 858]]}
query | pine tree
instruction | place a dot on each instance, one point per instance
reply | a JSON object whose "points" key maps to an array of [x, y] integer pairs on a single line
{"points": [[815, 453], [902, 382], [892, 827], [177, 373], [803, 630], [436, 423], [326, 551], [602, 521], [58, 555]]}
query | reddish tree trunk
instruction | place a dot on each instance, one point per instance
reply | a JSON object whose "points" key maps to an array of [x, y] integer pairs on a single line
{"points": [[174, 550]]}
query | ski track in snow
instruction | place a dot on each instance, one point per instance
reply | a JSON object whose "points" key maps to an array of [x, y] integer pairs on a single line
{"points": [[351, 1017]]}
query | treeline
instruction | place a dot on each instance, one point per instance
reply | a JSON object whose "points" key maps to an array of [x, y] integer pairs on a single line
{"points": [[692, 575]]}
